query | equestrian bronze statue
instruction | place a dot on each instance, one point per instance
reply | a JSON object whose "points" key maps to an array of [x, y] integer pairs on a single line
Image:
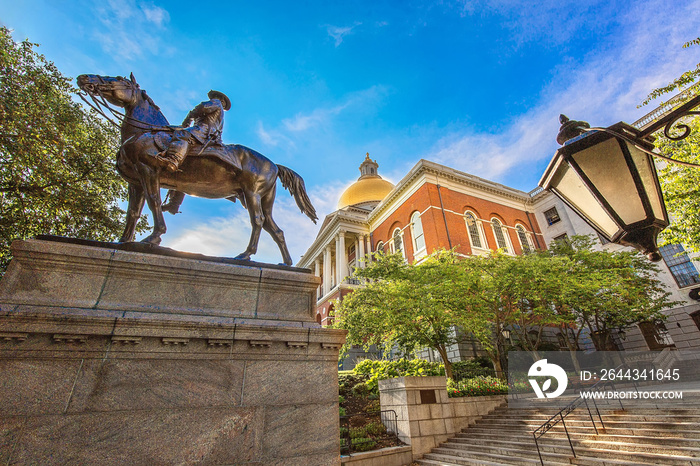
{"points": [[153, 156]]}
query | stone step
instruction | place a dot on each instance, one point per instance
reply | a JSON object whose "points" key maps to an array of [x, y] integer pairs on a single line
{"points": [[476, 457], [644, 442], [557, 445], [559, 430], [583, 415], [609, 434], [497, 424], [523, 456], [433, 459]]}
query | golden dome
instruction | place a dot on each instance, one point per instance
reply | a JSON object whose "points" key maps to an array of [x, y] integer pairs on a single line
{"points": [[369, 187]]}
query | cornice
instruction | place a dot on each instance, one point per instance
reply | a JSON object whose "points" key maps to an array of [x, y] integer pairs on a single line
{"points": [[332, 225], [427, 168]]}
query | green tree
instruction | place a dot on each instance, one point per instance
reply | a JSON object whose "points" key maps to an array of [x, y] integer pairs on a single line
{"points": [[514, 294], [407, 305], [57, 173], [603, 291], [680, 184]]}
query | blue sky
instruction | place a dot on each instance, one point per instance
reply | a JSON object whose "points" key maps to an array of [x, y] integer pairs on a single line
{"points": [[475, 85]]}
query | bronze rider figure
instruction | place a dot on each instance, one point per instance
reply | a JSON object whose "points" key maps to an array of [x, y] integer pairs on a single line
{"points": [[208, 122]]}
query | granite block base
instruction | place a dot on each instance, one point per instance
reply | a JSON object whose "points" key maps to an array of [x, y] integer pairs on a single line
{"points": [[160, 380]]}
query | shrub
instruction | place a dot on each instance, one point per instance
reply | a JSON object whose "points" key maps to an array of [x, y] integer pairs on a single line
{"points": [[477, 386], [363, 443], [361, 390], [472, 368], [341, 399], [375, 428], [347, 381], [377, 370], [341, 411], [373, 407]]}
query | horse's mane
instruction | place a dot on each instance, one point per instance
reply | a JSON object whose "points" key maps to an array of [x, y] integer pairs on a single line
{"points": [[148, 99]]}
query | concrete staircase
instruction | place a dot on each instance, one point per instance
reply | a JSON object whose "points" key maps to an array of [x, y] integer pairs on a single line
{"points": [[635, 436]]}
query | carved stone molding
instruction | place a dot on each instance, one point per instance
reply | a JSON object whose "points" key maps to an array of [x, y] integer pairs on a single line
{"points": [[67, 338], [13, 336], [124, 340], [260, 343], [219, 342], [297, 344], [330, 345], [175, 341]]}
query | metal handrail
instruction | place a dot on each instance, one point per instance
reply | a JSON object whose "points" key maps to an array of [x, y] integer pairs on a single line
{"points": [[568, 409]]}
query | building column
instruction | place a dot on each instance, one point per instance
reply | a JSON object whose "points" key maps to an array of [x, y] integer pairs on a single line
{"points": [[326, 270], [361, 251], [341, 256], [317, 272]]}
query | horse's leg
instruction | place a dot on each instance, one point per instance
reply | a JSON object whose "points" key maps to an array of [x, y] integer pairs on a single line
{"points": [[268, 200], [151, 186], [133, 213], [257, 219]]}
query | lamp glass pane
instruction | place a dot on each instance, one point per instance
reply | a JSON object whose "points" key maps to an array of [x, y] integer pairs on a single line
{"points": [[645, 165], [570, 186], [605, 166]]}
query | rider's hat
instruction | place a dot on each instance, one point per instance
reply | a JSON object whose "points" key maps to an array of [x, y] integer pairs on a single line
{"points": [[222, 97]]}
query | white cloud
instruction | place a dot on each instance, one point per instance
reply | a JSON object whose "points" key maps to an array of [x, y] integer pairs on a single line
{"points": [[318, 117], [156, 15], [229, 236], [321, 118], [126, 28], [338, 33], [602, 89]]}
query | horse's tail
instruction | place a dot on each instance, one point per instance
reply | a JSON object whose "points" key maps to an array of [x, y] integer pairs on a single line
{"points": [[295, 184]]}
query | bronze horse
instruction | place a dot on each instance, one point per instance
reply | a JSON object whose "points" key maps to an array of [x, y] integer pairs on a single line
{"points": [[236, 173]]}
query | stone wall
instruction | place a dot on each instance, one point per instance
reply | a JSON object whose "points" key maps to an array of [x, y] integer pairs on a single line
{"points": [[391, 456], [168, 378], [426, 415]]}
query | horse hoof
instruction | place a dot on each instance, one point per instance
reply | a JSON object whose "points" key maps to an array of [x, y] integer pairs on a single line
{"points": [[155, 241], [242, 257]]}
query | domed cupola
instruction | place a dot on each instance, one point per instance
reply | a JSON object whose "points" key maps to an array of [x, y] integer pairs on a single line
{"points": [[369, 189]]}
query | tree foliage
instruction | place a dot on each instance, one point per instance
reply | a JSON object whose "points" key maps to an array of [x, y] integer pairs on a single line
{"points": [[681, 82], [680, 184], [569, 288], [57, 173], [410, 306]]}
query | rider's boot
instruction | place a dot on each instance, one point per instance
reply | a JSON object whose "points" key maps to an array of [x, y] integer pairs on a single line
{"points": [[176, 153], [175, 199]]}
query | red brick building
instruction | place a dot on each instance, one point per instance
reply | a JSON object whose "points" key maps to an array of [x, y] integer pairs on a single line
{"points": [[432, 207]]}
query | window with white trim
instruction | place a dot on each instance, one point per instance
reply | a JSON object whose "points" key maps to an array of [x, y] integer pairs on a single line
{"points": [[500, 234], [525, 239], [396, 244], [417, 231], [380, 247], [476, 235]]}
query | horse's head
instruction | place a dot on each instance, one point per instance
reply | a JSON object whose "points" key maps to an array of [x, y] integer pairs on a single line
{"points": [[118, 91]]}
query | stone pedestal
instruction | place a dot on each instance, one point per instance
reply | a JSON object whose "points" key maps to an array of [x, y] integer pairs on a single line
{"points": [[120, 357]]}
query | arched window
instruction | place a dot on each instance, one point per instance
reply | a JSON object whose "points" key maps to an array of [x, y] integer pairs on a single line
{"points": [[476, 236], [417, 230], [380, 247], [525, 240], [500, 234], [396, 244]]}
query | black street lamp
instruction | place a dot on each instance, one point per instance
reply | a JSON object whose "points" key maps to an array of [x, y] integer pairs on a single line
{"points": [[608, 177]]}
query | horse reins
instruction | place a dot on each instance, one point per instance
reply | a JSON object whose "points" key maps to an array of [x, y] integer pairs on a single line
{"points": [[121, 117]]}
